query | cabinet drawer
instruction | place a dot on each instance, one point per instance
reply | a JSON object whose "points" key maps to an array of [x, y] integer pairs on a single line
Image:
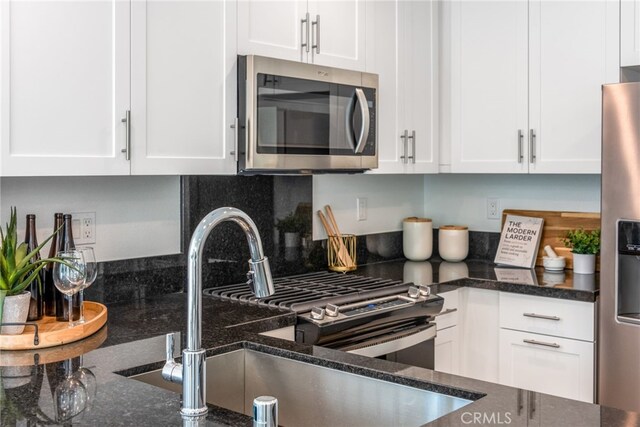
{"points": [[547, 316], [552, 365], [449, 309]]}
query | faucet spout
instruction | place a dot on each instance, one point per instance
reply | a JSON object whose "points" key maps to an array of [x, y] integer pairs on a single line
{"points": [[260, 280]]}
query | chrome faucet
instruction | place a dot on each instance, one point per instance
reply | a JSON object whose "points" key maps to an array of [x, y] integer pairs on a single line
{"points": [[191, 372]]}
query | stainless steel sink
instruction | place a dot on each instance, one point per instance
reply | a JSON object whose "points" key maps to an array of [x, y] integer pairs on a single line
{"points": [[313, 395]]}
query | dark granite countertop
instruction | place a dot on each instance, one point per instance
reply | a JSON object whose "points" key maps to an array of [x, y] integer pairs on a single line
{"points": [[134, 338], [487, 275]]}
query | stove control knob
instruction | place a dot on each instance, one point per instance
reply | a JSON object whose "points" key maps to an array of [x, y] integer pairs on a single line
{"points": [[317, 313], [332, 310], [414, 292], [425, 291]]}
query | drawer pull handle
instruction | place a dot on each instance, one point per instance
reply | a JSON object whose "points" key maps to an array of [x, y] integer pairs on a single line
{"points": [[546, 344], [540, 316]]}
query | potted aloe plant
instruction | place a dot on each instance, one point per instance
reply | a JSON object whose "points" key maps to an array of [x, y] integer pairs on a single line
{"points": [[584, 246], [17, 271]]}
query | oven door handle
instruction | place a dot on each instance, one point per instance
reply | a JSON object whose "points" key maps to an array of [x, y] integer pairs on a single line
{"points": [[380, 346], [364, 130]]}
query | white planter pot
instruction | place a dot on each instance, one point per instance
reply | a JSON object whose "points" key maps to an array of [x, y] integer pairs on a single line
{"points": [[291, 240], [16, 310], [584, 263]]}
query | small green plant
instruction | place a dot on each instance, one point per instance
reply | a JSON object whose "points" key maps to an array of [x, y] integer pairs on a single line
{"points": [[583, 242], [292, 223], [17, 269]]}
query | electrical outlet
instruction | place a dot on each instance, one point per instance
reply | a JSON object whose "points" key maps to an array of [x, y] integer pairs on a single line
{"points": [[84, 228], [361, 208], [493, 208]]}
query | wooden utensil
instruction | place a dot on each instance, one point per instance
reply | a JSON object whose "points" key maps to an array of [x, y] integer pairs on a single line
{"points": [[344, 252]]}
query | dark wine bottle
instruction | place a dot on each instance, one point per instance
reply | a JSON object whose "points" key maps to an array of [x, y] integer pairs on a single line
{"points": [[50, 290], [66, 243], [35, 287]]}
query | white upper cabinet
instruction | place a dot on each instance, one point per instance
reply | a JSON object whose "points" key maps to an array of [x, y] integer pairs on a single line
{"points": [[525, 76], [488, 79], [629, 33], [324, 32], [402, 50], [573, 50], [71, 71], [273, 28], [183, 99], [64, 75], [338, 31]]}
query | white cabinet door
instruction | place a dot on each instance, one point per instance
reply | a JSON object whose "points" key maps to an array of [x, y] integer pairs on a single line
{"points": [[273, 28], [338, 32], [574, 49], [629, 33], [382, 59], [402, 50], [479, 323], [447, 351], [552, 365], [488, 85], [418, 83], [183, 87], [64, 87]]}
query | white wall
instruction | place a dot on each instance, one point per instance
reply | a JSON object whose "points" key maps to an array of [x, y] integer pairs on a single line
{"points": [[135, 216], [461, 199], [390, 199]]}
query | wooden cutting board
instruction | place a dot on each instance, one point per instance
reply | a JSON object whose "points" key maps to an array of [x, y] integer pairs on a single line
{"points": [[556, 225]]}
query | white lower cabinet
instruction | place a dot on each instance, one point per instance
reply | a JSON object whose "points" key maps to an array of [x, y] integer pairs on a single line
{"points": [[479, 323], [558, 366], [447, 351]]}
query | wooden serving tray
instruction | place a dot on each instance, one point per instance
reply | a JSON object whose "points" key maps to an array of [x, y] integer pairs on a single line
{"points": [[53, 333], [556, 225]]}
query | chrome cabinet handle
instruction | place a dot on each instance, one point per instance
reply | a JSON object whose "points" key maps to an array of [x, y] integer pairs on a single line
{"points": [[520, 138], [127, 135], [412, 137], [532, 146], [364, 111], [542, 343], [405, 141], [234, 126], [316, 37], [304, 28], [540, 316]]}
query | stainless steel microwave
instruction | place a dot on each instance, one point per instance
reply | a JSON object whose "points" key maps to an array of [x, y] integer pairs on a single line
{"points": [[304, 118]]}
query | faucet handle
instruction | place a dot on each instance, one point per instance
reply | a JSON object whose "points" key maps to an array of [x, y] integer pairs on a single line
{"points": [[171, 371], [170, 346]]}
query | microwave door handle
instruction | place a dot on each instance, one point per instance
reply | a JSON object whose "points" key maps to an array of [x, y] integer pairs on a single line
{"points": [[364, 130]]}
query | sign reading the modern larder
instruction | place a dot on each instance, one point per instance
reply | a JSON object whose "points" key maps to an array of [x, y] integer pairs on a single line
{"points": [[519, 241]]}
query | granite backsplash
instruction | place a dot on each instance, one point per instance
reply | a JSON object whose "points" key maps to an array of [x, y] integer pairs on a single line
{"points": [[266, 199]]}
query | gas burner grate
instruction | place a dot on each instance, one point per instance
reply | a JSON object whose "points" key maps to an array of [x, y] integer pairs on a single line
{"points": [[302, 292]]}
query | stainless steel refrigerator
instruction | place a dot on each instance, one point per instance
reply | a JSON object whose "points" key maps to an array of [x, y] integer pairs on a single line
{"points": [[619, 317]]}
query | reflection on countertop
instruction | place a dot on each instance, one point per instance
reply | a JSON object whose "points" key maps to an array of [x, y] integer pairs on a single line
{"points": [[487, 275]]}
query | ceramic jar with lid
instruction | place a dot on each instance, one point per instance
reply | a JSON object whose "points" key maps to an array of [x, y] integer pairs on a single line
{"points": [[453, 242], [417, 238]]}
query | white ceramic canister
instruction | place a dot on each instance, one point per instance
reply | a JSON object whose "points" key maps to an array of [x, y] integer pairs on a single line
{"points": [[417, 238], [453, 242]]}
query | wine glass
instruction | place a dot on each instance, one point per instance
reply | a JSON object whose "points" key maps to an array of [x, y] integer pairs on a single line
{"points": [[91, 272], [70, 396], [69, 276]]}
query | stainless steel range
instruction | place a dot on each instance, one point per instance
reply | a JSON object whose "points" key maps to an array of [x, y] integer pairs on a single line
{"points": [[361, 315]]}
